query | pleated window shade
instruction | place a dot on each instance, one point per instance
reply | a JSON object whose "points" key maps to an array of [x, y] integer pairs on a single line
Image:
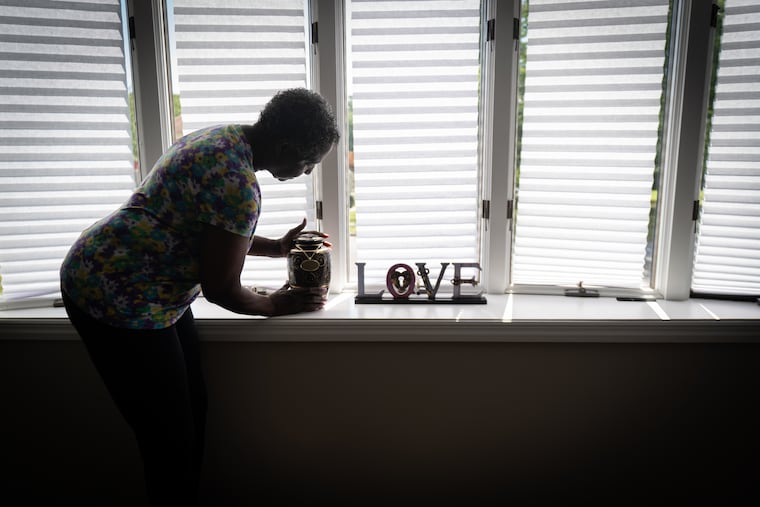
{"points": [[414, 71], [593, 84], [232, 56], [65, 144], [727, 259]]}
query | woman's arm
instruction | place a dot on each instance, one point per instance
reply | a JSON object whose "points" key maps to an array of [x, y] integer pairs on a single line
{"points": [[221, 262], [266, 247]]}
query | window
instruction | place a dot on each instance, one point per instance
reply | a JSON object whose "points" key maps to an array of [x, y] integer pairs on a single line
{"points": [[591, 111], [728, 249], [414, 70], [572, 123], [66, 153], [231, 57]]}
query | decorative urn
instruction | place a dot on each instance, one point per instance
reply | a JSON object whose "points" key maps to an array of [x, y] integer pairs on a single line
{"points": [[309, 262]]}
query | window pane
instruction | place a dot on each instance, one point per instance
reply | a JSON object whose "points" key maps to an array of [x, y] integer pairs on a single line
{"points": [[727, 260], [593, 82], [414, 75], [65, 137], [231, 57]]}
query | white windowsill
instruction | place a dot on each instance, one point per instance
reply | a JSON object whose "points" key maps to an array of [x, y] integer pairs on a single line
{"points": [[507, 318]]}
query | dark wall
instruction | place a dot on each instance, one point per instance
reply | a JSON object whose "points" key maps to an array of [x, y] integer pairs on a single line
{"points": [[407, 423]]}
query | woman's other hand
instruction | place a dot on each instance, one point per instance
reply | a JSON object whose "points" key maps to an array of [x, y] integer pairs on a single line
{"points": [[288, 300]]}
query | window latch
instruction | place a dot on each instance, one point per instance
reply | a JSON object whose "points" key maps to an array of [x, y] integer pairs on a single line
{"points": [[582, 292]]}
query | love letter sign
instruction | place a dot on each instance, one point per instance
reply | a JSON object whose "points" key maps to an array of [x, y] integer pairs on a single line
{"points": [[404, 286]]}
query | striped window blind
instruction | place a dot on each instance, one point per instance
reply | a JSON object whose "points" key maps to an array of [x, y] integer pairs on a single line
{"points": [[414, 75], [232, 56], [65, 143], [591, 106], [727, 259]]}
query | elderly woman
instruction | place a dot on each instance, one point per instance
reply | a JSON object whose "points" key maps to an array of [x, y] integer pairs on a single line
{"points": [[129, 280]]}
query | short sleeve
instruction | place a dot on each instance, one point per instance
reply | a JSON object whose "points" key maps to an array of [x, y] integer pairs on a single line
{"points": [[229, 198]]}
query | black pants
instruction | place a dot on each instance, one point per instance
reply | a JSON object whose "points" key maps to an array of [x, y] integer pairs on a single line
{"points": [[156, 380]]}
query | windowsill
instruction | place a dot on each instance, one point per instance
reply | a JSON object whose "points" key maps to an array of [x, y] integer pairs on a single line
{"points": [[507, 318]]}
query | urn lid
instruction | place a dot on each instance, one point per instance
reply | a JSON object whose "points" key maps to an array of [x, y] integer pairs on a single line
{"points": [[309, 239]]}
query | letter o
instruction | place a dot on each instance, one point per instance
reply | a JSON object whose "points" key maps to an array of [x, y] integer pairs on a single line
{"points": [[400, 281]]}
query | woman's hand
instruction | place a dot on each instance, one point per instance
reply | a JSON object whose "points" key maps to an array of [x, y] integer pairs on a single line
{"points": [[285, 243], [288, 300], [280, 247]]}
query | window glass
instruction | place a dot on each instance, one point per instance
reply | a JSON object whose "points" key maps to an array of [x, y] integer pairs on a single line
{"points": [[413, 74], [590, 118], [66, 151], [230, 57], [727, 259]]}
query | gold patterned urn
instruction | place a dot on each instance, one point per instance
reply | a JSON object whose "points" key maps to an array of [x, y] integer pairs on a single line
{"points": [[309, 262]]}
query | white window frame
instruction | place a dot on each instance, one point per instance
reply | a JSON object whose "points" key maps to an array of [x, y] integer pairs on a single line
{"points": [[154, 109], [688, 92], [332, 184], [500, 69], [683, 145]]}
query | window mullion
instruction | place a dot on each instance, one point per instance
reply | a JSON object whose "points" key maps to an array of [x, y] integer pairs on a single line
{"points": [[499, 122], [684, 147], [329, 80], [153, 104]]}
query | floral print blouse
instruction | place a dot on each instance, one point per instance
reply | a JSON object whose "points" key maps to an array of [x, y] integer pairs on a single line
{"points": [[138, 268]]}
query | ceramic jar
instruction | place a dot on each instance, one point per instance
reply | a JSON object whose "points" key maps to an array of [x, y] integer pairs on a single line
{"points": [[309, 262]]}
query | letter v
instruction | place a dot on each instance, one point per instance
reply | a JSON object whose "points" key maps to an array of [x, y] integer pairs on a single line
{"points": [[424, 275]]}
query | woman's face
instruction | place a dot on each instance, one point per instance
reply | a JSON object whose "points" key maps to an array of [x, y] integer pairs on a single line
{"points": [[293, 170], [286, 168]]}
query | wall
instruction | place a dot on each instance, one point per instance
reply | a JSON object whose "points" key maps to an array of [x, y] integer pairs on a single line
{"points": [[407, 423]]}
